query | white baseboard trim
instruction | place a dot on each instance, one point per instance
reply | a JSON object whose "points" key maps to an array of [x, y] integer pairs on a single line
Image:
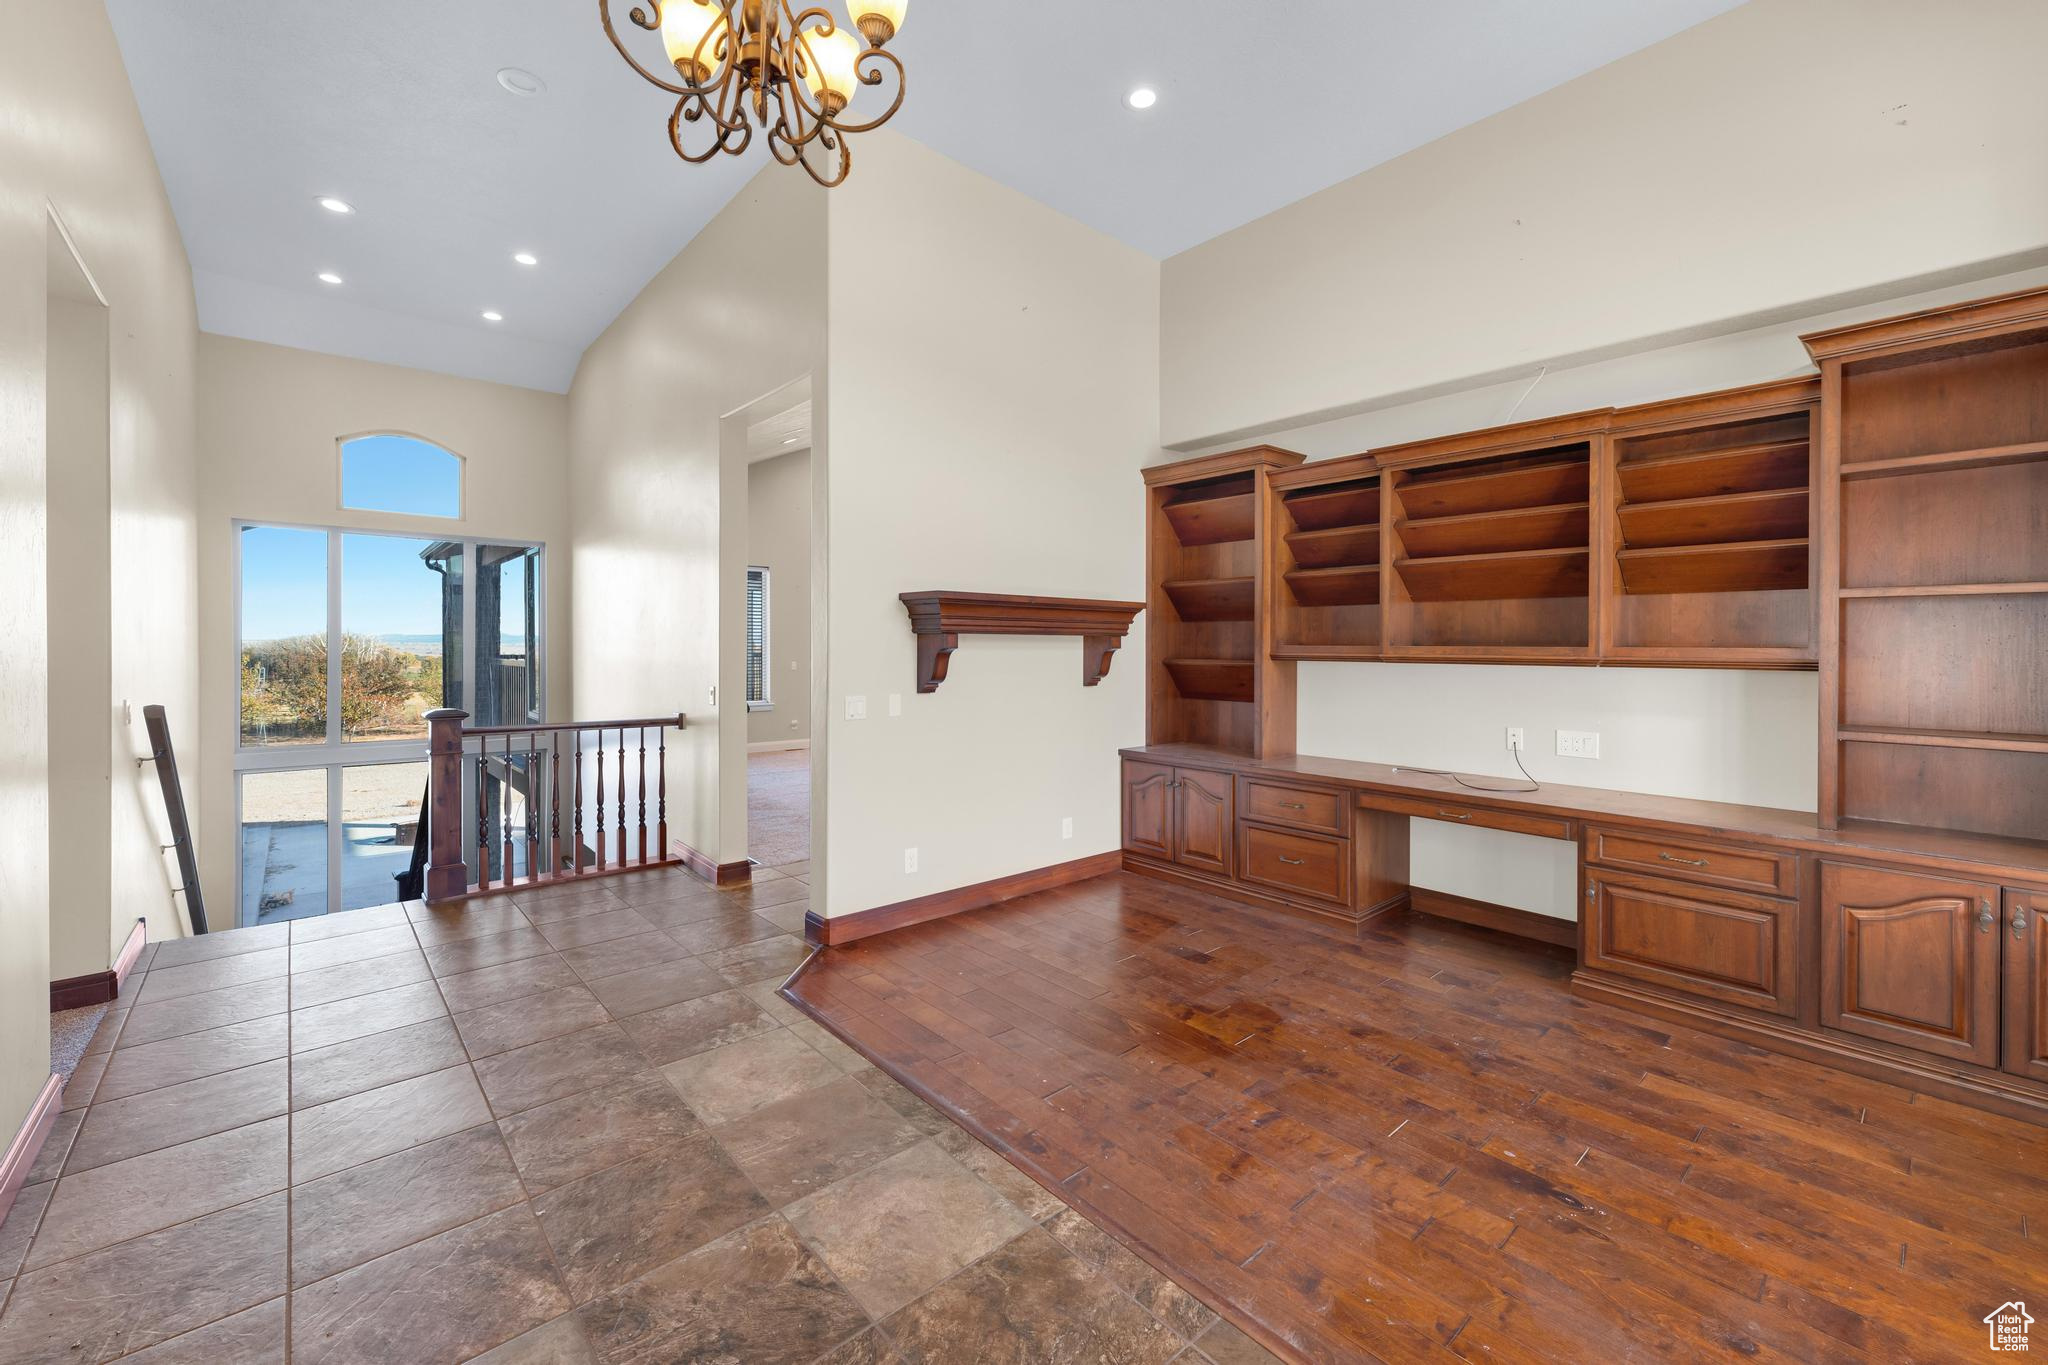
{"points": [[776, 746]]}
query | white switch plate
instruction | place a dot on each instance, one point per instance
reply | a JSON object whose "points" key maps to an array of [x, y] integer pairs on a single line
{"points": [[910, 860], [1578, 744], [895, 703], [1067, 827], [856, 708], [1518, 738]]}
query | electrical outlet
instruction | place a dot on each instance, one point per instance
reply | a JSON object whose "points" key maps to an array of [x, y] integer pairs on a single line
{"points": [[856, 708], [1067, 827], [910, 860], [1578, 744], [895, 703], [1518, 738]]}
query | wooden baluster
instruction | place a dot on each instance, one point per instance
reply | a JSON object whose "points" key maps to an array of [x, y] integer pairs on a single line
{"points": [[600, 800], [483, 830], [505, 791], [533, 790], [576, 821], [643, 796], [661, 792], [446, 877], [622, 796], [554, 766]]}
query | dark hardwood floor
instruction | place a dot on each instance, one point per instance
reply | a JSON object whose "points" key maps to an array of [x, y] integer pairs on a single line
{"points": [[1417, 1144]]}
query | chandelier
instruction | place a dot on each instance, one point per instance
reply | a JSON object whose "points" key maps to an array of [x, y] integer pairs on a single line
{"points": [[738, 64]]}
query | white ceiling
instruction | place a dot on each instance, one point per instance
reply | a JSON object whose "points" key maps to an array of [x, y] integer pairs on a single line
{"points": [[256, 108]]}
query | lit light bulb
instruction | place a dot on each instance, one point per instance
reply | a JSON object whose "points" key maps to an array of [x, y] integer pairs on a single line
{"points": [[879, 20], [831, 70], [694, 32]]}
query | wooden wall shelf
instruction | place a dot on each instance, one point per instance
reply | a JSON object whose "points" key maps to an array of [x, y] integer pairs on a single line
{"points": [[940, 618]]}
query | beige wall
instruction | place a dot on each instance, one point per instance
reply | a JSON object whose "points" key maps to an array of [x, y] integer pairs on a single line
{"points": [[993, 394], [270, 423], [71, 139], [1760, 166], [779, 537], [660, 551]]}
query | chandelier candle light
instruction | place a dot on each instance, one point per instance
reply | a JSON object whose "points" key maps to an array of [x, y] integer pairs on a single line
{"points": [[795, 73]]}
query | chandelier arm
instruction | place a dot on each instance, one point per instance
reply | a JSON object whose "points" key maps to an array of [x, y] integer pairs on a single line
{"points": [[639, 17], [844, 151], [876, 77]]}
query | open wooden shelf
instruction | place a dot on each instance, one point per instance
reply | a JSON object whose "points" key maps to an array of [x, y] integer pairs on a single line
{"points": [[1338, 545], [1950, 590], [1776, 514], [1347, 586], [1213, 519], [1533, 485], [1516, 574], [1323, 509], [1212, 679], [1556, 527], [1212, 599], [1736, 469], [1748, 566], [1359, 652], [1947, 459], [1946, 739]]}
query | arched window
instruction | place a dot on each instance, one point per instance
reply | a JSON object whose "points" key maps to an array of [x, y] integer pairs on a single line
{"points": [[396, 473]]}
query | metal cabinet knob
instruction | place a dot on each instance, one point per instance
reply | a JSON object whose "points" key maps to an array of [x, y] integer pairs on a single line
{"points": [[1985, 917], [2019, 920]]}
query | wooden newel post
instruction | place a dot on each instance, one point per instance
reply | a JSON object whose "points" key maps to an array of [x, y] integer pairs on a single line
{"points": [[447, 877]]}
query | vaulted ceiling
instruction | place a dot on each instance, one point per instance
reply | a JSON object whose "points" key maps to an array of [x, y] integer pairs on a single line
{"points": [[257, 110]]}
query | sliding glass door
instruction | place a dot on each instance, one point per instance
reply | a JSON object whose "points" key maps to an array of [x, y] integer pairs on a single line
{"points": [[346, 640]]}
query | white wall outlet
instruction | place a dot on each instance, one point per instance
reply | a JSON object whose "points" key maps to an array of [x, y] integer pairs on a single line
{"points": [[895, 703], [1067, 827], [1518, 738], [856, 708], [910, 860], [1578, 744]]}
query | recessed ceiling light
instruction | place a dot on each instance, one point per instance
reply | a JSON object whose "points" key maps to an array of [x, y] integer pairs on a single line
{"points": [[329, 277], [791, 440], [1144, 97], [333, 205], [493, 315], [525, 258], [520, 81]]}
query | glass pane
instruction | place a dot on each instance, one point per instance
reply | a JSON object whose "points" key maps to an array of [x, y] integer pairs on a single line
{"points": [[284, 636], [284, 845], [400, 608], [400, 474], [380, 811], [508, 635]]}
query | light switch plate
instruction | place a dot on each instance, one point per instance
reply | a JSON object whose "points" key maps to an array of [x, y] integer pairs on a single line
{"points": [[895, 703], [856, 708]]}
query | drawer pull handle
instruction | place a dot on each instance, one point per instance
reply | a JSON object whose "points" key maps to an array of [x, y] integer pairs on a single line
{"points": [[1689, 862], [1294, 862], [1292, 805], [1453, 815]]}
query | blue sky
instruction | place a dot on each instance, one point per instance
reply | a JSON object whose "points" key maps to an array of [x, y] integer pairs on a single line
{"points": [[385, 587]]}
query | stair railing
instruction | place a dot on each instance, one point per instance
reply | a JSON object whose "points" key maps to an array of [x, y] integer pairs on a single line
{"points": [[161, 754]]}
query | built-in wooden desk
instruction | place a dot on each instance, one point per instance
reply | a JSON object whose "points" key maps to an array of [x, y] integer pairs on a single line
{"points": [[1893, 951]]}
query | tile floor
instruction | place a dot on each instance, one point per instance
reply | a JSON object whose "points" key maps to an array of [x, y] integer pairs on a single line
{"points": [[574, 1126]]}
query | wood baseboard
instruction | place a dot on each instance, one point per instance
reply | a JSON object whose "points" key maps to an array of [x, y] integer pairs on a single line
{"points": [[131, 951], [1250, 895], [76, 992], [718, 874], [1488, 915], [21, 1153], [1979, 1090], [778, 746], [880, 920]]}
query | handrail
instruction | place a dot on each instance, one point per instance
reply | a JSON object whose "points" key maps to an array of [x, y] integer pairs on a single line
{"points": [[412, 881], [485, 782], [174, 809]]}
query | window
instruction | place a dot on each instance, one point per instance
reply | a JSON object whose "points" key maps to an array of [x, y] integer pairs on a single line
{"points": [[346, 640], [393, 473], [758, 698]]}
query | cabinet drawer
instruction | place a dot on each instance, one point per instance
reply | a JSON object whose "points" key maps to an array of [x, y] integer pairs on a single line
{"points": [[1308, 864], [1718, 945], [1452, 811], [1770, 872], [1303, 807]]}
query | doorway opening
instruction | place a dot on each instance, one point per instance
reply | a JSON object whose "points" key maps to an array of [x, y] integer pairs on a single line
{"points": [[779, 630]]}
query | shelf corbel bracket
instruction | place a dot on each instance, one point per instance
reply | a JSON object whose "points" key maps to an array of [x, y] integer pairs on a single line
{"points": [[939, 619]]}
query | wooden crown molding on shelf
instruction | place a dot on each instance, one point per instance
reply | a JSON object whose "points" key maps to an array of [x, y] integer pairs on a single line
{"points": [[1198, 467], [939, 618]]}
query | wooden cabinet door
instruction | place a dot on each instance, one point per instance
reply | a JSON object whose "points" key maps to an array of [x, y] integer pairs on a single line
{"points": [[1148, 809], [1206, 825], [1723, 945], [1913, 959], [2026, 985]]}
